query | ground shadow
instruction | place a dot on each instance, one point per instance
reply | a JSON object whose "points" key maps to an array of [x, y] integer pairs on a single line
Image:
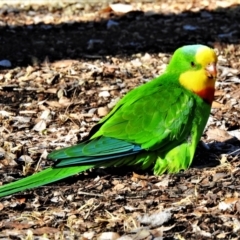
{"points": [[135, 32], [210, 155]]}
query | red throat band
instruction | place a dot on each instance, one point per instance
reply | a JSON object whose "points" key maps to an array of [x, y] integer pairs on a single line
{"points": [[206, 94]]}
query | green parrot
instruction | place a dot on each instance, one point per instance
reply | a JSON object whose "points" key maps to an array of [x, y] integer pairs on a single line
{"points": [[156, 125]]}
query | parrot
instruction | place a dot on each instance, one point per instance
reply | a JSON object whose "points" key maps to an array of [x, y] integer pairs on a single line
{"points": [[155, 126]]}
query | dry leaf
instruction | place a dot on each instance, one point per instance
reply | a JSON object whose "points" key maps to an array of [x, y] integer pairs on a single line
{"points": [[65, 101], [121, 8], [17, 225], [64, 63], [40, 126], [44, 230], [218, 134], [217, 105], [108, 235], [54, 104], [227, 204]]}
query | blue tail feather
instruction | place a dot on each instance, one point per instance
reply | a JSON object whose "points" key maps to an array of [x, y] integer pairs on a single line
{"points": [[94, 151]]}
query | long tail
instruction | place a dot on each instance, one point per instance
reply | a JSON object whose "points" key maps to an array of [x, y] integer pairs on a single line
{"points": [[103, 151], [42, 178]]}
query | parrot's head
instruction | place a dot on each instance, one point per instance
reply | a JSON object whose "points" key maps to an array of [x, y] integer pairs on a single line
{"points": [[196, 68]]}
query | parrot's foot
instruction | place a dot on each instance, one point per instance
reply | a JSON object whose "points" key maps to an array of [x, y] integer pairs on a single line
{"points": [[179, 158]]}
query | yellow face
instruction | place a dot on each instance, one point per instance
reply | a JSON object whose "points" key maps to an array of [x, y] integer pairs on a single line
{"points": [[200, 79]]}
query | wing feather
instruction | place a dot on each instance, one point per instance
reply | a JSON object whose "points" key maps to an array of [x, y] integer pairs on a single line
{"points": [[164, 122]]}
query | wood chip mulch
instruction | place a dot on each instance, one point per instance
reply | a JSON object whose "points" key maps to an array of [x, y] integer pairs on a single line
{"points": [[62, 68]]}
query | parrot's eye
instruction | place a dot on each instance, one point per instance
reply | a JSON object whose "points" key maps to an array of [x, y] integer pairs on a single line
{"points": [[193, 64]]}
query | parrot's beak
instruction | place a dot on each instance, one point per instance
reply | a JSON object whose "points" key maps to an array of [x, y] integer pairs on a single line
{"points": [[211, 70]]}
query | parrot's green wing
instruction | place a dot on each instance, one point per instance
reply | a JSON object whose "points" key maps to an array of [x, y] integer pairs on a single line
{"points": [[152, 116], [150, 122]]}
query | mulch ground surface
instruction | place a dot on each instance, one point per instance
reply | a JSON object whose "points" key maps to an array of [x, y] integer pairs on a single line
{"points": [[62, 68]]}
